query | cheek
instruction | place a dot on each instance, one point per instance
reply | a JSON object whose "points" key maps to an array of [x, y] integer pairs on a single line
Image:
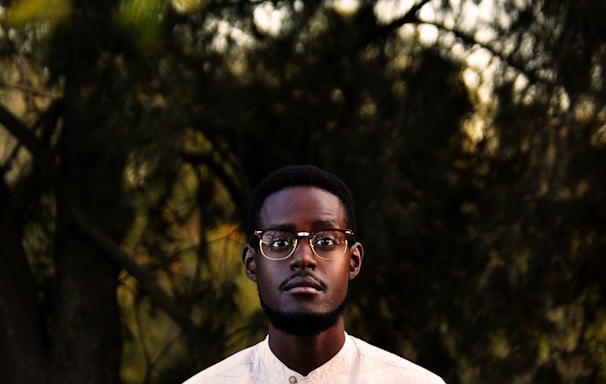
{"points": [[267, 275], [263, 285], [340, 277]]}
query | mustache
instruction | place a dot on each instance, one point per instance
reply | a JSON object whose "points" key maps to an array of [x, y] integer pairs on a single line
{"points": [[302, 274]]}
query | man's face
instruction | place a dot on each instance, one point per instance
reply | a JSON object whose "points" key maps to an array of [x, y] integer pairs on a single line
{"points": [[321, 285]]}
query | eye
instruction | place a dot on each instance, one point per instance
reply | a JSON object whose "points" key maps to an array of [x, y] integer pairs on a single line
{"points": [[278, 241], [325, 241], [280, 244]]}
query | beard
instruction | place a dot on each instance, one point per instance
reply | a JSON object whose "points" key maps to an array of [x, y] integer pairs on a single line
{"points": [[303, 323]]}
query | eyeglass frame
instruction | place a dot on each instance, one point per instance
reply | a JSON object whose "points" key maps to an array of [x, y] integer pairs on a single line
{"points": [[349, 234]]}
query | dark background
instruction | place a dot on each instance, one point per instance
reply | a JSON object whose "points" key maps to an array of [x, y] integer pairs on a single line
{"points": [[132, 133]]}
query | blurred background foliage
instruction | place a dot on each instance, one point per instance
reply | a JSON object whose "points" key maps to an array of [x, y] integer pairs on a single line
{"points": [[472, 132]]}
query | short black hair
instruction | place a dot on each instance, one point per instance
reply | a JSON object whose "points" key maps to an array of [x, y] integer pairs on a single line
{"points": [[300, 176]]}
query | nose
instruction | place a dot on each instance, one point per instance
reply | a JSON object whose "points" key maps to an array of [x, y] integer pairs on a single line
{"points": [[303, 257]]}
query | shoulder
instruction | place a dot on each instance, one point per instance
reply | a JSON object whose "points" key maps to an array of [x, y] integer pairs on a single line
{"points": [[232, 369], [388, 365]]}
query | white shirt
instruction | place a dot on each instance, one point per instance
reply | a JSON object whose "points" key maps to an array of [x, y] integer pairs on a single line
{"points": [[356, 362]]}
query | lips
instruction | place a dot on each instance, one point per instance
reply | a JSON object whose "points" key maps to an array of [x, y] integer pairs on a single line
{"points": [[302, 281]]}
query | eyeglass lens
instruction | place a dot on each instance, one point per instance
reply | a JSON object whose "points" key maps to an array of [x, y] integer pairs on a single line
{"points": [[327, 244]]}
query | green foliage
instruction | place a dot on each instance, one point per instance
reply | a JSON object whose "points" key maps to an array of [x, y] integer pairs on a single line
{"points": [[143, 18], [481, 215], [24, 12]]}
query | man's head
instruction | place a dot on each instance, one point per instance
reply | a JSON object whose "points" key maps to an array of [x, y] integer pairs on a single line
{"points": [[303, 292], [299, 176]]}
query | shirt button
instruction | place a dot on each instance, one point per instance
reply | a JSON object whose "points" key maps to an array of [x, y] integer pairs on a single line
{"points": [[292, 380]]}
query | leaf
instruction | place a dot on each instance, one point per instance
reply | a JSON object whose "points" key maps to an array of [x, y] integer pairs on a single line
{"points": [[188, 6], [144, 18], [24, 12]]}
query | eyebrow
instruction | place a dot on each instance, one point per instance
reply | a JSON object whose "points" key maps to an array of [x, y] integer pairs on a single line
{"points": [[316, 225]]}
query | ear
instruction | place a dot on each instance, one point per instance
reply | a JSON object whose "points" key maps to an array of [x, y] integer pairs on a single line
{"points": [[250, 263], [356, 255]]}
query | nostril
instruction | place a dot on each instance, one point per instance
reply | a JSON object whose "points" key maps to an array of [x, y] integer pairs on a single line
{"points": [[303, 263]]}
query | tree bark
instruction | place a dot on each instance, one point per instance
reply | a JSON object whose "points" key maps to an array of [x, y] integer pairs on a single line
{"points": [[21, 347], [86, 343]]}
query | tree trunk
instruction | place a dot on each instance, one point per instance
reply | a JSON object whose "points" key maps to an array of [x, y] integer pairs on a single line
{"points": [[86, 342], [87, 338], [21, 346]]}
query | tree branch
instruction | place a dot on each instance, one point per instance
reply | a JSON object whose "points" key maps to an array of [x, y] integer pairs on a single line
{"points": [[25, 90], [469, 40], [411, 18], [219, 171], [381, 32], [20, 131], [407, 18], [144, 279]]}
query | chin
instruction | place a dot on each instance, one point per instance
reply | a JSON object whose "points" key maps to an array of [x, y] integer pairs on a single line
{"points": [[304, 323]]}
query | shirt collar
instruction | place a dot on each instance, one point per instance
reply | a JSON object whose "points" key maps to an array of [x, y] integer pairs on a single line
{"points": [[274, 368]]}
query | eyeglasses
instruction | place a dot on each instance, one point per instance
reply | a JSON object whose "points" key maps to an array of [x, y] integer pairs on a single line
{"points": [[279, 244]]}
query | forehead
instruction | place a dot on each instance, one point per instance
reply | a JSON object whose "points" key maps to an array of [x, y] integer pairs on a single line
{"points": [[302, 208]]}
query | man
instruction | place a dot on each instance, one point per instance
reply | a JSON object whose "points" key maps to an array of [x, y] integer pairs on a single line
{"points": [[303, 255]]}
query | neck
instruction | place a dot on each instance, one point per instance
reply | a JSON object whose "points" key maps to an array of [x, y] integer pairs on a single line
{"points": [[303, 354]]}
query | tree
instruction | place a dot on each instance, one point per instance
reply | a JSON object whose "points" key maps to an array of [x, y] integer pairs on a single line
{"points": [[135, 130]]}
